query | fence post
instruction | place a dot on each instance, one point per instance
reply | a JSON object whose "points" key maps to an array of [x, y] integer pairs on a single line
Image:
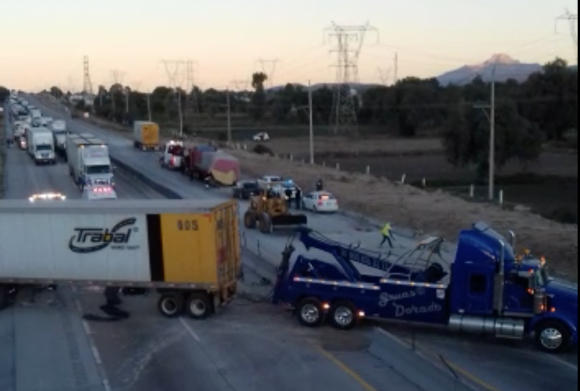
{"points": [[368, 170], [501, 197], [472, 191]]}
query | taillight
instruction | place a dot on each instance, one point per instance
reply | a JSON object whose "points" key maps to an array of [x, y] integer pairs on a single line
{"points": [[173, 160]]}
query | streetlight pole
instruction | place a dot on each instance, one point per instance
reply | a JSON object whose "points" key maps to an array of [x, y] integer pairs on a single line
{"points": [[311, 118]]}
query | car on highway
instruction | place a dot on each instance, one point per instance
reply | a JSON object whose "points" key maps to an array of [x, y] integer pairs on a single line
{"points": [[47, 197], [245, 189], [320, 202], [99, 193]]}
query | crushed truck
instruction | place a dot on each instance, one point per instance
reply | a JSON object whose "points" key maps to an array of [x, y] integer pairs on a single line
{"points": [[172, 157], [188, 251], [213, 166], [146, 135], [40, 145], [88, 161], [58, 128], [486, 289]]}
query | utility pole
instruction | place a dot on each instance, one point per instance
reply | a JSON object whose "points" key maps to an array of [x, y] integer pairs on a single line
{"points": [[396, 75], [311, 120], [572, 19], [229, 113], [348, 41], [384, 75], [149, 106], [118, 78], [491, 115]]}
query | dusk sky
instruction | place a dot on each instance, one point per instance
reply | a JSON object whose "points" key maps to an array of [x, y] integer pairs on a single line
{"points": [[44, 41]]}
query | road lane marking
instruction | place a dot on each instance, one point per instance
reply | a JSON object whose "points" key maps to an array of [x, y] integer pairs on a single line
{"points": [[189, 330], [346, 369]]}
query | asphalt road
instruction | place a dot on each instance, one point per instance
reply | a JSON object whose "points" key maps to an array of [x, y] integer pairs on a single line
{"points": [[490, 364], [251, 346]]}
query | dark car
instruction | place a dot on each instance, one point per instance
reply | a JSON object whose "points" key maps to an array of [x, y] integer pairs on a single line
{"points": [[246, 189]]}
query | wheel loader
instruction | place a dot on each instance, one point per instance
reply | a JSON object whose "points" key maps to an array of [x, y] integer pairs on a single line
{"points": [[269, 211]]}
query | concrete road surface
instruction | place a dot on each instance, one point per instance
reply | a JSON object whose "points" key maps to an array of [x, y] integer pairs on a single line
{"points": [[251, 346], [514, 363]]}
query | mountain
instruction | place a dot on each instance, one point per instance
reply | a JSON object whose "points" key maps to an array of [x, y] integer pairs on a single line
{"points": [[505, 67]]}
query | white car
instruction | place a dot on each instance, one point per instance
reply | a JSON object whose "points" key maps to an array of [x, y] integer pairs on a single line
{"points": [[320, 201], [262, 136], [98, 193]]}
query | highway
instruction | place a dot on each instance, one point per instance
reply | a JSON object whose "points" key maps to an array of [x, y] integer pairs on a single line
{"points": [[251, 346], [488, 364]]}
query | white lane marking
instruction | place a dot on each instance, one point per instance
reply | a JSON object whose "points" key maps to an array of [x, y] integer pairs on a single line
{"points": [[96, 354], [79, 306], [189, 330], [563, 362], [87, 328]]}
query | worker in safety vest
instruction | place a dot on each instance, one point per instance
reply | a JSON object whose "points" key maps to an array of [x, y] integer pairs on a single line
{"points": [[386, 232]]}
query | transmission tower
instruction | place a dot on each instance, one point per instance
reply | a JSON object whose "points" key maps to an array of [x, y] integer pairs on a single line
{"points": [[269, 69], [384, 75], [347, 44], [240, 85], [572, 19], [176, 70], [87, 84]]}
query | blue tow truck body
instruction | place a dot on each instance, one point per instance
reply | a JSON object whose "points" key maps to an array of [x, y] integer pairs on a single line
{"points": [[487, 289]]}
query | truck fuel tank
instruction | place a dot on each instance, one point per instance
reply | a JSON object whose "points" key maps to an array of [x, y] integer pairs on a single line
{"points": [[500, 327]]}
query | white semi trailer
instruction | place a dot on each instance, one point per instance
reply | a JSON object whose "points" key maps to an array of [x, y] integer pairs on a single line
{"points": [[189, 251]]}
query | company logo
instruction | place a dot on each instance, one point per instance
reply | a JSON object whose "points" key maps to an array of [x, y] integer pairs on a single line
{"points": [[90, 240]]}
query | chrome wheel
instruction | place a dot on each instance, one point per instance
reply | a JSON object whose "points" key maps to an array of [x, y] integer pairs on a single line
{"points": [[343, 316], [551, 339], [197, 308], [310, 314]]}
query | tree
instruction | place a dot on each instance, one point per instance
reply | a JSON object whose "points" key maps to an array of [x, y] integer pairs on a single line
{"points": [[258, 100], [467, 132], [56, 92], [4, 93]]}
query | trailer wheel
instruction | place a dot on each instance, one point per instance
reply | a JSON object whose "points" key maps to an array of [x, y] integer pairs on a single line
{"points": [[250, 220], [552, 336], [343, 315], [170, 305], [198, 305], [310, 313]]}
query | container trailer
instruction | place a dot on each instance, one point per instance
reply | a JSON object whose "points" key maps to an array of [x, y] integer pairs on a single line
{"points": [[146, 135], [189, 251], [487, 289]]}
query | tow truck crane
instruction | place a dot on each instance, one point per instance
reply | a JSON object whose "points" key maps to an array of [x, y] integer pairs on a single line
{"points": [[487, 289]]}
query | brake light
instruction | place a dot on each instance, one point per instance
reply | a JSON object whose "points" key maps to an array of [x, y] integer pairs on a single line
{"points": [[172, 160]]}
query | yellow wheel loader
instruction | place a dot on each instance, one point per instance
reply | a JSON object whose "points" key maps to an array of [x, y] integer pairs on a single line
{"points": [[269, 211]]}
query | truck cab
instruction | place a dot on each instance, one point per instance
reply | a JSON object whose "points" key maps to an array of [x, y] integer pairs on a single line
{"points": [[486, 288], [40, 146], [97, 170], [173, 153]]}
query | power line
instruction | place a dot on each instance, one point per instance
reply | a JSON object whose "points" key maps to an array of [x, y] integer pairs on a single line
{"points": [[572, 20], [347, 45]]}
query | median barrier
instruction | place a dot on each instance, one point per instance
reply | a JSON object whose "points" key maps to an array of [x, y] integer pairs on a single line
{"points": [[416, 368]]}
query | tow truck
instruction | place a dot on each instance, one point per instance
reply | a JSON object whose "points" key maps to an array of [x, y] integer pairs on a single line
{"points": [[47, 197], [486, 289]]}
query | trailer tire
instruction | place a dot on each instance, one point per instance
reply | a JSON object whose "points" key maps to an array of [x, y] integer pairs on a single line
{"points": [[553, 336], [199, 305], [310, 313], [250, 220], [170, 305], [343, 315]]}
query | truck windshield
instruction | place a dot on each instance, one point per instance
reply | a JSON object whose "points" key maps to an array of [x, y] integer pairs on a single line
{"points": [[44, 147], [101, 169]]}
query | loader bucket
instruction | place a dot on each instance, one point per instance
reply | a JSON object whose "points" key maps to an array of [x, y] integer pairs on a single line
{"points": [[290, 220]]}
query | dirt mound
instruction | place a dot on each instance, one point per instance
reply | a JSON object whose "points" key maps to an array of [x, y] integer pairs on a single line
{"points": [[436, 213]]}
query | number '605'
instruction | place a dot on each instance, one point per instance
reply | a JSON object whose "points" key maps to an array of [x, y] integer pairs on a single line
{"points": [[187, 225]]}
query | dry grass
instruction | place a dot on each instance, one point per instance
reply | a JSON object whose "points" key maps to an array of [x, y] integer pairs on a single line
{"points": [[437, 213]]}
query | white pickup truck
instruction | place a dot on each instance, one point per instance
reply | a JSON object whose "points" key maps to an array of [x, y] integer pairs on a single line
{"points": [[172, 157]]}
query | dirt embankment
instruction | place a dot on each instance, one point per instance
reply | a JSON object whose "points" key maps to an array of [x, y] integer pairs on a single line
{"points": [[437, 213]]}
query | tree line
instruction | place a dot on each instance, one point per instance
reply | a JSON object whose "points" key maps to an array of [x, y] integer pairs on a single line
{"points": [[543, 108]]}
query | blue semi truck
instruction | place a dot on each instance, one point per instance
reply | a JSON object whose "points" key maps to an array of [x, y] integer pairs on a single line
{"points": [[486, 289]]}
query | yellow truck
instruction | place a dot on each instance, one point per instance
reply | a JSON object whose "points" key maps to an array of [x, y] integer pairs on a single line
{"points": [[186, 250], [146, 135]]}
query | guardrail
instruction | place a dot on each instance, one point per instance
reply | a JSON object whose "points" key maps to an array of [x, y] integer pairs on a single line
{"points": [[413, 366]]}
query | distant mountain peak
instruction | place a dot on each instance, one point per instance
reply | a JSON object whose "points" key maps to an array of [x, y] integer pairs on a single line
{"points": [[501, 59]]}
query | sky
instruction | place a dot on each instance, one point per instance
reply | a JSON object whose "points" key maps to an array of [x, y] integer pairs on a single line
{"points": [[129, 40]]}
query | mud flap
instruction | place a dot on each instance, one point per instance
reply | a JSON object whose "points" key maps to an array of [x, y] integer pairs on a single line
{"points": [[290, 220]]}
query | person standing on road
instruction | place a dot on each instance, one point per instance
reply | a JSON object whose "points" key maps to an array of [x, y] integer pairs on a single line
{"points": [[319, 185], [298, 198], [288, 194], [387, 232]]}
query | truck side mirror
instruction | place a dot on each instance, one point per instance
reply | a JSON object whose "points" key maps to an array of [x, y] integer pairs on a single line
{"points": [[513, 240]]}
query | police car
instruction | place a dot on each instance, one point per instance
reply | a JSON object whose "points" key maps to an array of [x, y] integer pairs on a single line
{"points": [[47, 197]]}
